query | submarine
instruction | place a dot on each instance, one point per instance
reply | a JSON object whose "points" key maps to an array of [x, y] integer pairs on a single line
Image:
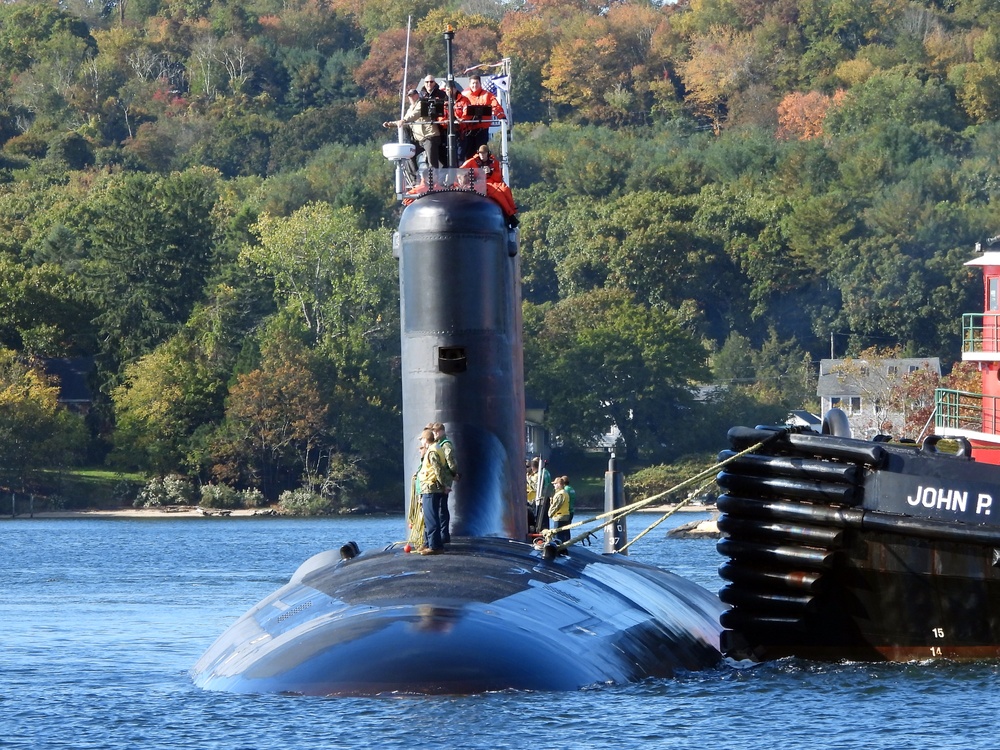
{"points": [[494, 611]]}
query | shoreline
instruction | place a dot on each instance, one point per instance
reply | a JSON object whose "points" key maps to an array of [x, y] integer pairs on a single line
{"points": [[192, 511], [174, 512]]}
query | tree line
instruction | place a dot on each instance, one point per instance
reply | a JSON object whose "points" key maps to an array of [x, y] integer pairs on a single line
{"points": [[711, 191]]}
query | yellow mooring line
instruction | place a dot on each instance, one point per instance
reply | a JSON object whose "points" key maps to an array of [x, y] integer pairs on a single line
{"points": [[611, 517]]}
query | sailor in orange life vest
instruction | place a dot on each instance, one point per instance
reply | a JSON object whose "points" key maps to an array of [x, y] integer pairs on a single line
{"points": [[477, 128], [496, 188]]}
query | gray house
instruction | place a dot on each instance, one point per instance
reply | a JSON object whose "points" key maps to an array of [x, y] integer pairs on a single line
{"points": [[863, 390]]}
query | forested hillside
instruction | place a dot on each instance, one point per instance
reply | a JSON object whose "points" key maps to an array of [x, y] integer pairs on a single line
{"points": [[712, 192]]}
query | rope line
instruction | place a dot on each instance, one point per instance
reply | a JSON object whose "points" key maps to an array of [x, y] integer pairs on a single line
{"points": [[691, 496], [415, 517], [613, 516]]}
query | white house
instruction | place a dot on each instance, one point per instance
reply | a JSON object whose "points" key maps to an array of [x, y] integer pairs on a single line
{"points": [[803, 418]]}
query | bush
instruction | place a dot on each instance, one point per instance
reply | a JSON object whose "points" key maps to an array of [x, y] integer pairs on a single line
{"points": [[224, 496], [169, 490], [252, 498], [302, 502], [219, 496], [654, 480], [28, 144]]}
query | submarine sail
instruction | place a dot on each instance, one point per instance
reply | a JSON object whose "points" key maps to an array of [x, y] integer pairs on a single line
{"points": [[461, 353], [492, 612]]}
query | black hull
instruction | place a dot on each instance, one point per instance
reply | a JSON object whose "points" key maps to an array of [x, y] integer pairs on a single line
{"points": [[843, 549], [489, 614]]}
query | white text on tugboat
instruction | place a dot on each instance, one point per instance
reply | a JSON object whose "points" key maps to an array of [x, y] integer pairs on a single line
{"points": [[949, 499]]}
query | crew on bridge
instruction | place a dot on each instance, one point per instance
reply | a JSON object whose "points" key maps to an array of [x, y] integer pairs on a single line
{"points": [[483, 109], [424, 132], [496, 188], [461, 115]]}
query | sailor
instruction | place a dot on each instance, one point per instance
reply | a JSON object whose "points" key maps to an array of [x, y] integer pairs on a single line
{"points": [[496, 188], [572, 499], [435, 97], [478, 128], [415, 512], [449, 472], [532, 504], [424, 129], [539, 477], [461, 115], [433, 496], [559, 510]]}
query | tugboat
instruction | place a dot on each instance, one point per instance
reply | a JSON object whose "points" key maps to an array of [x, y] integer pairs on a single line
{"points": [[841, 548], [494, 611]]}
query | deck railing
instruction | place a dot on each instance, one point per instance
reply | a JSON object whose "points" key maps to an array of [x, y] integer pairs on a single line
{"points": [[981, 333], [962, 410]]}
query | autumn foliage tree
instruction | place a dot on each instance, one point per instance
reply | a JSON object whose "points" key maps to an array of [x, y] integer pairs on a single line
{"points": [[275, 419], [722, 61], [800, 116], [915, 395]]}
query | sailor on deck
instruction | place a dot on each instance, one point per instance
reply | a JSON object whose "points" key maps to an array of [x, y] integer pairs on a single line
{"points": [[424, 130], [433, 495]]}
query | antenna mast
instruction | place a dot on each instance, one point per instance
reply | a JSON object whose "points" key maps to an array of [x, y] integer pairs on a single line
{"points": [[449, 34]]}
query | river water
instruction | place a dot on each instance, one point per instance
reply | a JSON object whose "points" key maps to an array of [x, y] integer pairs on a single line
{"points": [[101, 620]]}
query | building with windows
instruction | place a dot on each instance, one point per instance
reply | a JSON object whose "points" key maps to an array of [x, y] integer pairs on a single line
{"points": [[864, 390]]}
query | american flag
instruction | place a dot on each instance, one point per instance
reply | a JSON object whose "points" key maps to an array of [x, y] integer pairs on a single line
{"points": [[499, 86]]}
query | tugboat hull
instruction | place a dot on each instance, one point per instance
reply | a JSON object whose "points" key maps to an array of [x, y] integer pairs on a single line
{"points": [[844, 549]]}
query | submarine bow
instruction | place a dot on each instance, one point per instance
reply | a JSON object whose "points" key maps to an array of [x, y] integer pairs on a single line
{"points": [[489, 615]]}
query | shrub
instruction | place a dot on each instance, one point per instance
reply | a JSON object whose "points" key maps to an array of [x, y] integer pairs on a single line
{"points": [[169, 490], [252, 498], [302, 502], [224, 496], [28, 144], [219, 496], [654, 480]]}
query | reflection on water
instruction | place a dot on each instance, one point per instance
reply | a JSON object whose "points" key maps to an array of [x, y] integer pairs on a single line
{"points": [[102, 619]]}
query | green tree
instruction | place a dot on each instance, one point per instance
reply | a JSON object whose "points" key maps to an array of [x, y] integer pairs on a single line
{"points": [[35, 432], [601, 358], [335, 285], [41, 312], [627, 242], [172, 396], [150, 240]]}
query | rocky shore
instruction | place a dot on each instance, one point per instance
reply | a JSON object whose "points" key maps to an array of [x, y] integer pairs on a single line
{"points": [[702, 529]]}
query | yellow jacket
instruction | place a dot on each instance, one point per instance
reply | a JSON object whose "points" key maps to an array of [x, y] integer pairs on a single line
{"points": [[430, 476], [559, 505]]}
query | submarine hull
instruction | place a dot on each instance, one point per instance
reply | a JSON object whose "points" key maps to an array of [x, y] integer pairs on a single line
{"points": [[490, 614]]}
